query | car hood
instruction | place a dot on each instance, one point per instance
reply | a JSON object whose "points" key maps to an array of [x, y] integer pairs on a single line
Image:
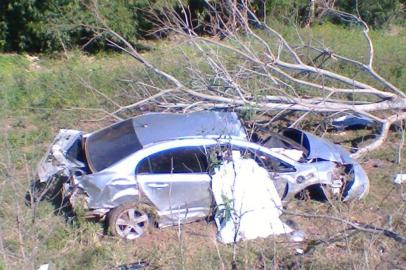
{"points": [[319, 148]]}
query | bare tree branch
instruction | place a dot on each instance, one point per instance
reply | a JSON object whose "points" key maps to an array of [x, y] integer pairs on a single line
{"points": [[356, 225], [267, 61]]}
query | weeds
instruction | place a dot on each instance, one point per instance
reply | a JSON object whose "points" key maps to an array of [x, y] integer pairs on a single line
{"points": [[36, 102]]}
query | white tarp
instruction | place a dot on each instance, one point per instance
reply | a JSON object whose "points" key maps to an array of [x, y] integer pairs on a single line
{"points": [[248, 205], [399, 178]]}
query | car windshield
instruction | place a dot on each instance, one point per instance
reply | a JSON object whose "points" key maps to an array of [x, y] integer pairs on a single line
{"points": [[109, 145], [283, 141]]}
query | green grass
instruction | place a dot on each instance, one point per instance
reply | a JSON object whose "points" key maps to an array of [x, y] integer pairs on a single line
{"points": [[389, 51], [11, 63], [36, 99]]}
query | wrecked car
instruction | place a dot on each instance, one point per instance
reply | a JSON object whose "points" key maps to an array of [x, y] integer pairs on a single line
{"points": [[354, 121], [159, 165]]}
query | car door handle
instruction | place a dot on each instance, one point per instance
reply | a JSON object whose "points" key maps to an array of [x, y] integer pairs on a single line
{"points": [[157, 185]]}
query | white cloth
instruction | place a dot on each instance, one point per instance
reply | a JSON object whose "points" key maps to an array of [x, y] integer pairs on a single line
{"points": [[244, 189]]}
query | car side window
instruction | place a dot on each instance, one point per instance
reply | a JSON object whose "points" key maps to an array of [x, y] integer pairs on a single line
{"points": [[274, 164], [179, 160], [271, 163]]}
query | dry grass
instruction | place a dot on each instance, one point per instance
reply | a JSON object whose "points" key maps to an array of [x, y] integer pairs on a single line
{"points": [[35, 104], [79, 244]]}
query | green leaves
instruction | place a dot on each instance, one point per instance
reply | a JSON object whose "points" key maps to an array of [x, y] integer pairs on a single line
{"points": [[53, 25], [224, 212], [374, 12]]}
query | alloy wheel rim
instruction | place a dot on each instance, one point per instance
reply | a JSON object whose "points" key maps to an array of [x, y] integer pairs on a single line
{"points": [[131, 224]]}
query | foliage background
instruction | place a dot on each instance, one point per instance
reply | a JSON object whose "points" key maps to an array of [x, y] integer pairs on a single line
{"points": [[38, 97], [54, 25]]}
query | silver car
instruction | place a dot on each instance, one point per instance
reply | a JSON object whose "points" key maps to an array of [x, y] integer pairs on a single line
{"points": [[157, 167]]}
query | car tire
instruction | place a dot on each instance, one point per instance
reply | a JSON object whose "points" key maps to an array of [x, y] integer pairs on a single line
{"points": [[129, 221]]}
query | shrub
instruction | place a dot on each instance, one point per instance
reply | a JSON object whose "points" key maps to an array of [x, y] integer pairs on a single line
{"points": [[50, 25], [374, 12]]}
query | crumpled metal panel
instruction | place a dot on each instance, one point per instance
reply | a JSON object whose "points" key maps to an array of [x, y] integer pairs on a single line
{"points": [[359, 186], [320, 148], [55, 161], [317, 173], [107, 190]]}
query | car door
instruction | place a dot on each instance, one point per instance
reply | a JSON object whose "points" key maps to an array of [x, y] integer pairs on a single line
{"points": [[176, 181]]}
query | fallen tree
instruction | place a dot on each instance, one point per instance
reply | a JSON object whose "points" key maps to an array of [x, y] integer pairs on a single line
{"points": [[253, 53]]}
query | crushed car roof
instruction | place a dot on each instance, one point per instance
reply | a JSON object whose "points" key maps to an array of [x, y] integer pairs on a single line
{"points": [[154, 127], [111, 144]]}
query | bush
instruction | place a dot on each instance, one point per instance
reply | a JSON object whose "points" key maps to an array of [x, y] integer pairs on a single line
{"points": [[374, 12], [53, 25], [50, 25]]}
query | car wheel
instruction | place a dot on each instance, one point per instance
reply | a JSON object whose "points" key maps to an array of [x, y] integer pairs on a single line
{"points": [[128, 221]]}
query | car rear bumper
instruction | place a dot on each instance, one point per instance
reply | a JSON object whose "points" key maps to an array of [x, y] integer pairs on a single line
{"points": [[55, 162]]}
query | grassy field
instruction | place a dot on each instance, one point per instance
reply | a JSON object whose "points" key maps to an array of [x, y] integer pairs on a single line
{"points": [[40, 96]]}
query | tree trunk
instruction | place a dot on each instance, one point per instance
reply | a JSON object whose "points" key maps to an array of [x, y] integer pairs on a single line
{"points": [[310, 13]]}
